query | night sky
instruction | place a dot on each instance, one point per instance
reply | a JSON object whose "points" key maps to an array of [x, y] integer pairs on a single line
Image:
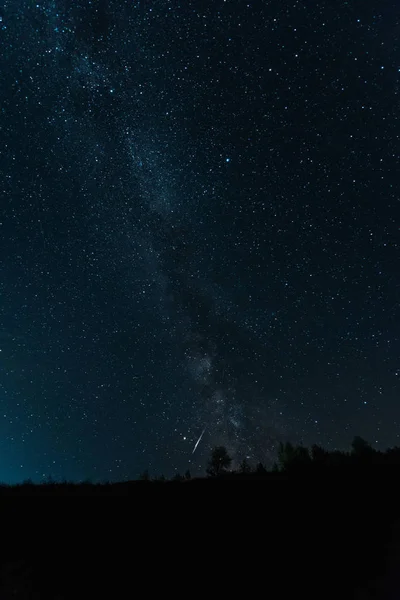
{"points": [[199, 232]]}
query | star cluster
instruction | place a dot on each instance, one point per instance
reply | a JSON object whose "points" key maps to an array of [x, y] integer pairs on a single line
{"points": [[199, 230]]}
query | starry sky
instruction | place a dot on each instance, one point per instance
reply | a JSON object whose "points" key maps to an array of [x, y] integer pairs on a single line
{"points": [[199, 232]]}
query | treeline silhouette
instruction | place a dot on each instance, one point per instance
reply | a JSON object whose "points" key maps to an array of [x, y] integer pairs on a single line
{"points": [[292, 461], [315, 521]]}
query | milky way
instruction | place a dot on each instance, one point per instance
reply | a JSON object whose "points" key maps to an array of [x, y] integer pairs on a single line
{"points": [[199, 232]]}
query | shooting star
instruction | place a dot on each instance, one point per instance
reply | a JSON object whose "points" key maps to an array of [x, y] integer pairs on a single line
{"points": [[199, 440]]}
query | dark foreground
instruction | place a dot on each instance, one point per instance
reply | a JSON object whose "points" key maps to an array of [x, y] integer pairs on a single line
{"points": [[332, 535]]}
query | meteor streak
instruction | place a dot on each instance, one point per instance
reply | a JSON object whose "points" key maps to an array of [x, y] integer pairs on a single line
{"points": [[199, 440]]}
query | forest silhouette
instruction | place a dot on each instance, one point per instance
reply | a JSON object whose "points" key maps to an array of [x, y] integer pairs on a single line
{"points": [[317, 523], [293, 461]]}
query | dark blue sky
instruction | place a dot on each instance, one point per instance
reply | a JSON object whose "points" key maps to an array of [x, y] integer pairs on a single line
{"points": [[199, 228]]}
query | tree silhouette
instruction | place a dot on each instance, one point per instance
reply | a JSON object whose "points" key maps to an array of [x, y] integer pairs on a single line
{"points": [[286, 454], [361, 448], [219, 461], [261, 470], [144, 476], [244, 467], [318, 454], [393, 456], [290, 456]]}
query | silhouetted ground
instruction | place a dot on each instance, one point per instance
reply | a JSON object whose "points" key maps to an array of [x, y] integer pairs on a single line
{"points": [[301, 535]]}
